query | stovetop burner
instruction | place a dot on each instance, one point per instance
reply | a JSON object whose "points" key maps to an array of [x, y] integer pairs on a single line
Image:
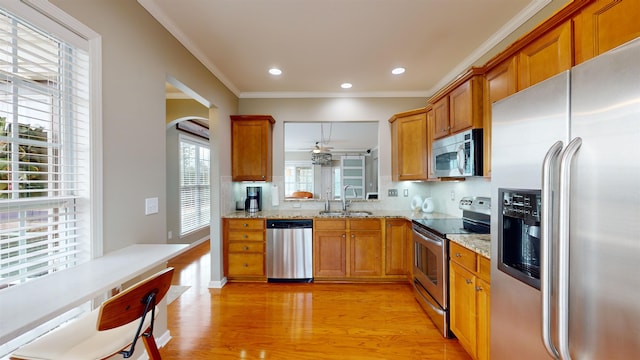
{"points": [[475, 219], [442, 227]]}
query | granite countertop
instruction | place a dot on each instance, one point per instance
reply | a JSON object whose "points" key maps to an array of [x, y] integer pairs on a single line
{"points": [[310, 214], [480, 243]]}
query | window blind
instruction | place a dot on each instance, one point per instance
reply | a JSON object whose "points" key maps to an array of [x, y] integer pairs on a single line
{"points": [[195, 193], [298, 176], [44, 152]]}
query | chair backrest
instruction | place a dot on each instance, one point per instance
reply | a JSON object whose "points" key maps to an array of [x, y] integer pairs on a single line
{"points": [[302, 194], [130, 304]]}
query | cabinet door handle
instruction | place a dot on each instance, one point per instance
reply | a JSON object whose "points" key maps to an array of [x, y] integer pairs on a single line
{"points": [[353, 236], [468, 281], [458, 255], [344, 236], [479, 288]]}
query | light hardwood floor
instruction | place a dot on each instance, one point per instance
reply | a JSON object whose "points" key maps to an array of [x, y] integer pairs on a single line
{"points": [[297, 321]]}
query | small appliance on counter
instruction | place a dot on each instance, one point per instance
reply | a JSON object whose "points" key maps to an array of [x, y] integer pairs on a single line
{"points": [[253, 203]]}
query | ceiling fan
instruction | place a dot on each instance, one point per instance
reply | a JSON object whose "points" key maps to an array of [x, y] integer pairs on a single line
{"points": [[321, 146]]}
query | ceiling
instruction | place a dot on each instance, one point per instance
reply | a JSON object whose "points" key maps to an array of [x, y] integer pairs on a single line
{"points": [[320, 44]]}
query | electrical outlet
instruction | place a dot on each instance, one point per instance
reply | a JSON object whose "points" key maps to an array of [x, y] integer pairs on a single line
{"points": [[406, 192], [393, 192]]}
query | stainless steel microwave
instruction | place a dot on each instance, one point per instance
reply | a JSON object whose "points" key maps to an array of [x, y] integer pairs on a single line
{"points": [[458, 155]]}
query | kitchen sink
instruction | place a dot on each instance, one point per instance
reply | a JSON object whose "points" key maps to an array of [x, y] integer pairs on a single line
{"points": [[358, 213]]}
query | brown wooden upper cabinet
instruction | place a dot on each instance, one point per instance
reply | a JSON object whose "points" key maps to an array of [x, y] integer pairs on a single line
{"points": [[548, 55], [500, 82], [603, 25], [461, 108], [409, 145], [251, 147]]}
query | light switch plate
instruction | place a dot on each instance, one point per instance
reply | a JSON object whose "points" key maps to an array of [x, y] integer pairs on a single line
{"points": [[151, 206]]}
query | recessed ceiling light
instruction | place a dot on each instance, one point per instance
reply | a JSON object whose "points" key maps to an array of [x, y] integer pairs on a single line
{"points": [[398, 71], [346, 86], [275, 71]]}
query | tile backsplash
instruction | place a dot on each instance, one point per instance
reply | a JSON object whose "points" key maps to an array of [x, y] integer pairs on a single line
{"points": [[445, 195]]}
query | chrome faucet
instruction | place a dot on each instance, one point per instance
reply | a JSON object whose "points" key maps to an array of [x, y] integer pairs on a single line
{"points": [[344, 196]]}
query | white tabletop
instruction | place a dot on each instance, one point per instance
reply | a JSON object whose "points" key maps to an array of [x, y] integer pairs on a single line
{"points": [[27, 305]]}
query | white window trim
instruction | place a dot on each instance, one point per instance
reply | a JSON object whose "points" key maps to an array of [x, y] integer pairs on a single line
{"points": [[45, 15], [201, 142]]}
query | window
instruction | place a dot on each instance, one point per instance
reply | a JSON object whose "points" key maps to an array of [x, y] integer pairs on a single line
{"points": [[195, 207], [298, 176], [45, 152]]}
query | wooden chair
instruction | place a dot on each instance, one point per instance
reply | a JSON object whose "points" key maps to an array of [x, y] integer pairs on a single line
{"points": [[302, 195], [112, 329]]}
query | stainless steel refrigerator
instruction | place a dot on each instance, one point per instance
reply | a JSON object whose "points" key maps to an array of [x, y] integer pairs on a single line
{"points": [[581, 129]]}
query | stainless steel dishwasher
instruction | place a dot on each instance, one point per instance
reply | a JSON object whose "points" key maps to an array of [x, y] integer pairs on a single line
{"points": [[290, 250]]}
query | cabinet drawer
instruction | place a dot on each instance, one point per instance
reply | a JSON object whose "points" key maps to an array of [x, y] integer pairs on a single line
{"points": [[365, 224], [329, 224], [245, 224], [251, 247], [246, 264], [484, 266], [246, 235], [462, 256]]}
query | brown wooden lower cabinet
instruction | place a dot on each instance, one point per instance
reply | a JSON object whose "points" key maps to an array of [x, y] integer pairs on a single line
{"points": [[360, 249], [469, 300], [399, 246], [243, 248]]}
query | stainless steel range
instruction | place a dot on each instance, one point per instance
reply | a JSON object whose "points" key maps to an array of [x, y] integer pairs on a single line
{"points": [[431, 259]]}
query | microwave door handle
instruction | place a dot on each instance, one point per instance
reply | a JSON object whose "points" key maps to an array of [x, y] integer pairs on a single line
{"points": [[563, 246], [461, 159], [546, 225]]}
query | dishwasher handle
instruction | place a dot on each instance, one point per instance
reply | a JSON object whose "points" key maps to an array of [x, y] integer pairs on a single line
{"points": [[290, 224]]}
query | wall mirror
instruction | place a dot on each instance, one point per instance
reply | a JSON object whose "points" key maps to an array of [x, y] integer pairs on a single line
{"points": [[323, 157]]}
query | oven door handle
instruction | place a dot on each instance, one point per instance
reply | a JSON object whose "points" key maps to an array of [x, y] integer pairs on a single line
{"points": [[437, 242], [435, 308]]}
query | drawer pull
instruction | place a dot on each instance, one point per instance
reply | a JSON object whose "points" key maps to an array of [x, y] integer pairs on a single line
{"points": [[246, 248], [246, 265], [245, 224], [245, 236]]}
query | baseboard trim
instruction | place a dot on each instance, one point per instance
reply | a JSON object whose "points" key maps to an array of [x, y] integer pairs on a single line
{"points": [[218, 284]]}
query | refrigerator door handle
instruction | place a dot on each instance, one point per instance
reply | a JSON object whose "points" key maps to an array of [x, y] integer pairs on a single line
{"points": [[563, 246], [548, 166]]}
